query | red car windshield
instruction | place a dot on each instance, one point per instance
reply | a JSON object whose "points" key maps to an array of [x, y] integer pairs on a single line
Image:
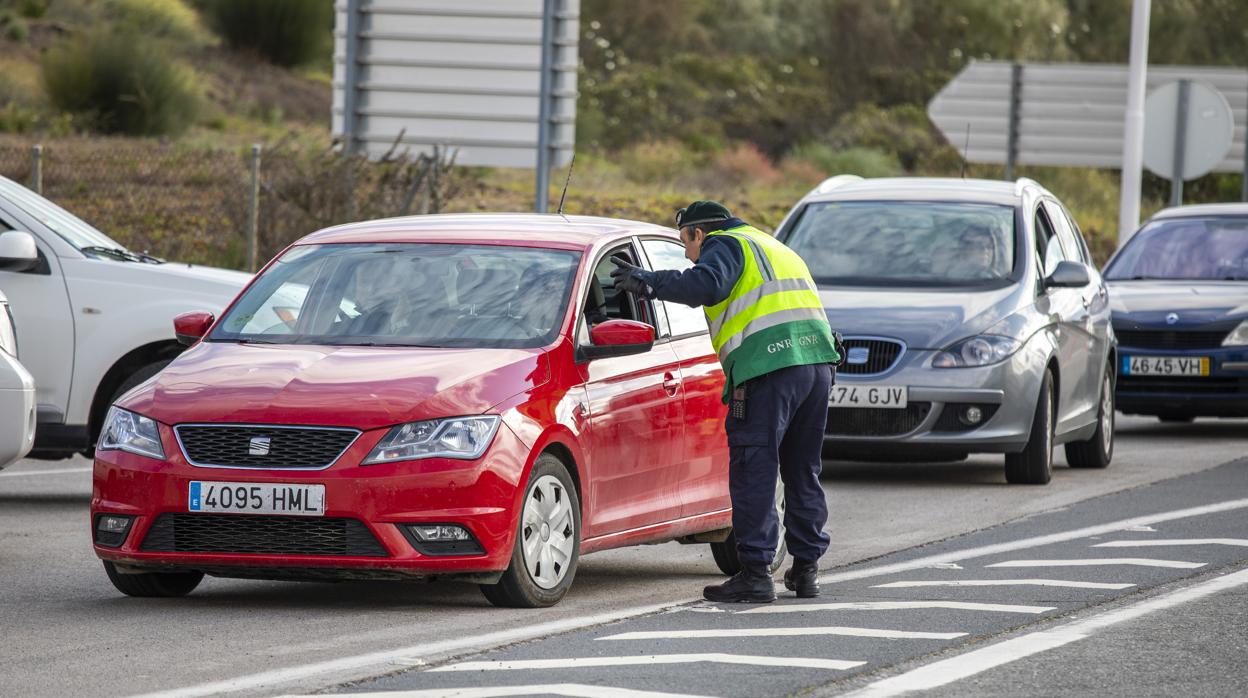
{"points": [[417, 294], [1190, 249]]}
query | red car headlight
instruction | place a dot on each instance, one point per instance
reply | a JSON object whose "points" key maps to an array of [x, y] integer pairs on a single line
{"points": [[465, 438]]}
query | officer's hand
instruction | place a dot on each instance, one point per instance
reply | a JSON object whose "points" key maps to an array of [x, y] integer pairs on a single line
{"points": [[624, 276]]}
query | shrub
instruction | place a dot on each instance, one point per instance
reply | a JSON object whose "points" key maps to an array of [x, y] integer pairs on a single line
{"points": [[285, 32], [865, 162], [120, 83], [658, 162], [164, 19], [741, 165]]}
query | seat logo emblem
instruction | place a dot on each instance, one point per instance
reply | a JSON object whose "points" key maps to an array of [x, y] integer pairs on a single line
{"points": [[259, 446], [858, 355], [1172, 318]]}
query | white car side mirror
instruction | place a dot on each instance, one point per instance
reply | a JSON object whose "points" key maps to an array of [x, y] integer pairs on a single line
{"points": [[18, 251]]}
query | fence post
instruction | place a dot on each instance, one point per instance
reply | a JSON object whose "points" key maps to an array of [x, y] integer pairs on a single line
{"points": [[253, 209], [36, 169]]}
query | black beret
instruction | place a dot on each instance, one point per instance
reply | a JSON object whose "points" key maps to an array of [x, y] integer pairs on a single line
{"points": [[700, 212]]}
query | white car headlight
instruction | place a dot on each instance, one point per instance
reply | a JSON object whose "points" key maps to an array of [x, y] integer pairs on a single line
{"points": [[1238, 336], [983, 350], [126, 431], [455, 437]]}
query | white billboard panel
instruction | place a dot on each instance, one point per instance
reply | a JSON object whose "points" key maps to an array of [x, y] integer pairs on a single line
{"points": [[1068, 113], [463, 74]]}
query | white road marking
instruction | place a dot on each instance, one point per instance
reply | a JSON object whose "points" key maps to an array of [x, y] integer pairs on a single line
{"points": [[781, 632], [1004, 583], [1141, 529], [1241, 542], [54, 471], [955, 668], [712, 657], [386, 658], [1037, 541], [899, 606], [1108, 561], [572, 690]]}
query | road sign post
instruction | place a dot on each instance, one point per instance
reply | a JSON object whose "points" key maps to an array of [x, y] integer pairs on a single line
{"points": [[1180, 143]]}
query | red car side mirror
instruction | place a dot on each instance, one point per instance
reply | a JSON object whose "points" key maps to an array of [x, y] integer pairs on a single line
{"points": [[618, 338], [191, 327]]}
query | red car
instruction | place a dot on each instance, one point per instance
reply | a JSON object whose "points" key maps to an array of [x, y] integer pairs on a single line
{"points": [[458, 396]]}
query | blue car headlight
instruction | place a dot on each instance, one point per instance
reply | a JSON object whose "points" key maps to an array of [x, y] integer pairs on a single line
{"points": [[455, 437], [981, 350], [133, 433], [1238, 336]]}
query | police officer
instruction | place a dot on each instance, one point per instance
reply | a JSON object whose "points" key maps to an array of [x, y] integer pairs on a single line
{"points": [[772, 336]]}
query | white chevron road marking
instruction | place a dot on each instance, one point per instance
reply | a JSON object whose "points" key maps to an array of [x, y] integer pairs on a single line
{"points": [[572, 690], [1158, 543], [899, 606], [1108, 561], [947, 671], [711, 657], [782, 632], [1004, 583]]}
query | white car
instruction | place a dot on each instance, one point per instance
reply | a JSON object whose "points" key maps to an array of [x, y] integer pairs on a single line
{"points": [[93, 318], [17, 395]]}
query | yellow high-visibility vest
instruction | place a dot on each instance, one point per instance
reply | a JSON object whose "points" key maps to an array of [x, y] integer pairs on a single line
{"points": [[773, 317]]}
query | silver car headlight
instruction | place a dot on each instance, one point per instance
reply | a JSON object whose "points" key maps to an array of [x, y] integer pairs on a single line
{"points": [[126, 431], [1238, 336], [455, 437], [981, 350]]}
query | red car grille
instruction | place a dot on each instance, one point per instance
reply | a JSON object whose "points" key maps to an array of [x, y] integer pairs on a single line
{"points": [[261, 535], [263, 446]]}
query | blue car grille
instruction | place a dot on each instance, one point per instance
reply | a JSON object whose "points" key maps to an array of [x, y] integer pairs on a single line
{"points": [[1206, 385], [1171, 339]]}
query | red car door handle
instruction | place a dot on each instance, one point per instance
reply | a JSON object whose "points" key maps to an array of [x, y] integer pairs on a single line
{"points": [[671, 383]]}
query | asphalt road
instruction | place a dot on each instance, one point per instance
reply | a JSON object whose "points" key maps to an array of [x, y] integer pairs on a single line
{"points": [[68, 632]]}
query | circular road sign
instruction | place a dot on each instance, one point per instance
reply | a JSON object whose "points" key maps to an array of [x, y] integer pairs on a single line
{"points": [[1209, 130]]}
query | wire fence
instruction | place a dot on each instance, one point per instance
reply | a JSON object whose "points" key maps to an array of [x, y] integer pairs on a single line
{"points": [[222, 206]]}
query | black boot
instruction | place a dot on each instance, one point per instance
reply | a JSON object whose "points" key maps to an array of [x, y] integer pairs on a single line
{"points": [[752, 584], [803, 577]]}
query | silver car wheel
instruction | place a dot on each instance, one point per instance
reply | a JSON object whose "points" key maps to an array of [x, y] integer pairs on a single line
{"points": [[1107, 415], [548, 532]]}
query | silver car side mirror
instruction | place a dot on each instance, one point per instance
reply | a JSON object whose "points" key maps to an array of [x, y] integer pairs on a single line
{"points": [[18, 251], [1068, 275]]}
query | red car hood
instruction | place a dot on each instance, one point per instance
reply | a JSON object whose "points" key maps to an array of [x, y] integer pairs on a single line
{"points": [[361, 387]]}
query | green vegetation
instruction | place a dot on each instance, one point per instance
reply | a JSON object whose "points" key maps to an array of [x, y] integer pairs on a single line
{"points": [[120, 82], [285, 32], [161, 19]]}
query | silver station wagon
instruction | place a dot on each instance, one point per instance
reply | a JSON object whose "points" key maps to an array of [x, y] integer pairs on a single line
{"points": [[974, 318]]}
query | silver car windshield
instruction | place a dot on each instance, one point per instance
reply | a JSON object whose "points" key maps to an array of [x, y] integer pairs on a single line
{"points": [[888, 243], [432, 295], [1196, 249]]}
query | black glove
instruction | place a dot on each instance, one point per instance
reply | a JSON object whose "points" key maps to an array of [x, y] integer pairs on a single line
{"points": [[625, 277]]}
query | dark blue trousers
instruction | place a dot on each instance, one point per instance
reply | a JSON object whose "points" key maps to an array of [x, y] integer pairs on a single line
{"points": [[782, 433]]}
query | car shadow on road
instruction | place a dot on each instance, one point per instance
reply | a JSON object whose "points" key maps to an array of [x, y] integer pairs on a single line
{"points": [[1199, 429], [988, 471]]}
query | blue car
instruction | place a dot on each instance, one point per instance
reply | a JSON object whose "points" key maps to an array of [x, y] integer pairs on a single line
{"points": [[1179, 298]]}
